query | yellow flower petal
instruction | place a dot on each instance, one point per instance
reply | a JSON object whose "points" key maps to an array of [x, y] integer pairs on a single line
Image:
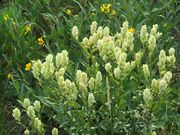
{"points": [[105, 8], [28, 67], [132, 30], [68, 12], [40, 41]]}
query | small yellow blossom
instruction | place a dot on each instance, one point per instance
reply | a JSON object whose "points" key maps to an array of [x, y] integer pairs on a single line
{"points": [[132, 30], [27, 29], [105, 8], [40, 41], [113, 12], [68, 12], [9, 76], [6, 17], [28, 66]]}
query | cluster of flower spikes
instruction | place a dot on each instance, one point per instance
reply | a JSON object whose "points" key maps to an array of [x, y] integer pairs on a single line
{"points": [[32, 111], [116, 48], [82, 85]]}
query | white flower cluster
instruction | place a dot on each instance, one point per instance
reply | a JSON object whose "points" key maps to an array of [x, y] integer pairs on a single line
{"points": [[68, 88], [166, 61], [147, 96], [47, 68], [115, 51], [151, 38], [82, 82], [31, 111], [116, 48], [157, 86]]}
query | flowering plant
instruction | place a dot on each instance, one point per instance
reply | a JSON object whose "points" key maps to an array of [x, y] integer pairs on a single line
{"points": [[123, 89]]}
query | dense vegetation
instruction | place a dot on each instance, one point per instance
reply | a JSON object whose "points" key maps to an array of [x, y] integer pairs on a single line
{"points": [[90, 67]]}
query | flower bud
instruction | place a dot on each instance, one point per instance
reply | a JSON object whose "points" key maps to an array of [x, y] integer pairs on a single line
{"points": [[54, 131], [167, 76], [154, 133], [61, 82], [144, 34], [37, 106], [38, 125], [75, 32], [154, 84], [146, 71], [138, 57], [147, 96], [91, 99], [59, 73], [31, 112], [47, 69], [36, 68], [93, 27], [117, 73], [81, 77], [154, 31], [91, 83], [65, 59], [152, 43], [26, 132], [86, 42], [62, 59], [100, 32], [83, 89], [26, 103], [106, 31], [171, 60], [59, 58], [16, 114], [162, 85], [171, 51], [162, 61], [108, 67], [98, 78], [124, 29]]}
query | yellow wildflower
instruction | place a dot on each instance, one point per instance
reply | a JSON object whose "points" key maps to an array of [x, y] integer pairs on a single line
{"points": [[6, 17], [9, 76], [132, 30], [27, 29], [28, 66], [113, 12], [105, 8], [68, 12], [40, 41]]}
